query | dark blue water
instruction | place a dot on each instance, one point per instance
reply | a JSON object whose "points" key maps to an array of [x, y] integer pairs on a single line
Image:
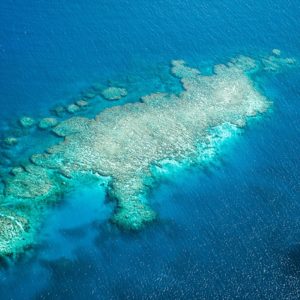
{"points": [[230, 231]]}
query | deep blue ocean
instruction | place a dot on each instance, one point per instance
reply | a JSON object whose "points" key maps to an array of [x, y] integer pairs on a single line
{"points": [[231, 231]]}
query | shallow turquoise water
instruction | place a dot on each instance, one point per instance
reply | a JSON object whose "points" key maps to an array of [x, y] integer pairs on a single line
{"points": [[229, 231]]}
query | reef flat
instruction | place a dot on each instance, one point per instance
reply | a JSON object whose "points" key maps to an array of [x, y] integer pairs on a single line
{"points": [[127, 143]]}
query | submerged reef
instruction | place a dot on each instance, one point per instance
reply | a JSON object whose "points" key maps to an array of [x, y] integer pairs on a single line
{"points": [[128, 144], [73, 108], [10, 141], [114, 93], [27, 122], [47, 123], [14, 231], [82, 103]]}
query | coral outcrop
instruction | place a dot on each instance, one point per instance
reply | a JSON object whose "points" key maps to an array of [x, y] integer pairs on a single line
{"points": [[10, 141], [114, 93], [27, 122], [47, 123], [73, 108]]}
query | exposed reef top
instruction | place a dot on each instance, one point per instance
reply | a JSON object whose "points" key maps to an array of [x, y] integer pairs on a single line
{"points": [[126, 143]]}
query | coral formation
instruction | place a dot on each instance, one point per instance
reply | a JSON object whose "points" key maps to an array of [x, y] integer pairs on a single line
{"points": [[127, 144], [27, 122], [114, 93], [276, 52], [35, 182], [15, 233], [59, 110], [73, 108], [17, 170], [10, 141], [275, 62], [82, 103], [89, 95], [47, 123]]}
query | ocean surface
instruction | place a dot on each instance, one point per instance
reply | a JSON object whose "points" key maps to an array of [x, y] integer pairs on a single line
{"points": [[229, 231]]}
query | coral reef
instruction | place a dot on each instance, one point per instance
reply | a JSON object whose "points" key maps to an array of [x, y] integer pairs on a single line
{"points": [[15, 232], [275, 62], [27, 122], [10, 141], [81, 103], [47, 123], [89, 95], [73, 108], [17, 170], [114, 93], [128, 144], [59, 110], [276, 52], [32, 183]]}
